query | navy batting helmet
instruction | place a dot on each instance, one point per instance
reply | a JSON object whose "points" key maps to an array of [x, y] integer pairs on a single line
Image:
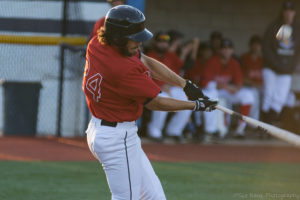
{"points": [[127, 22]]}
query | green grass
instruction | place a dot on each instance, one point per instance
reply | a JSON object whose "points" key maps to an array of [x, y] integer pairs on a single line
{"points": [[182, 181]]}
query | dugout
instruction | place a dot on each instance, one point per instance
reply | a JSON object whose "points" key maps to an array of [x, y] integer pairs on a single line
{"points": [[21, 100]]}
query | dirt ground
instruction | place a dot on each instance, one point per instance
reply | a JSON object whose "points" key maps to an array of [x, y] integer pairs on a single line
{"points": [[65, 149]]}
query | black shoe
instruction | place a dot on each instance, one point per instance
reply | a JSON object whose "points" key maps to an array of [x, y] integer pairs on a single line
{"points": [[156, 139], [239, 137], [270, 117], [197, 138], [264, 117], [177, 139], [211, 138]]}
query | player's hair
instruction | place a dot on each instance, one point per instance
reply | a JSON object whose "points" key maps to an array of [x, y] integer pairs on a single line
{"points": [[113, 39], [255, 39]]}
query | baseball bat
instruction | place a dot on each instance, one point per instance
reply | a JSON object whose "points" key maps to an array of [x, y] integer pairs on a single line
{"points": [[282, 134]]}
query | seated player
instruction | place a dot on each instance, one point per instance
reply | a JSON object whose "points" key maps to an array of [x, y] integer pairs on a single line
{"points": [[179, 120], [185, 51], [196, 74], [224, 76], [215, 41], [175, 40], [252, 73]]}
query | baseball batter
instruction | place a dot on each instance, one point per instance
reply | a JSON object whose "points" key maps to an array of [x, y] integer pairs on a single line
{"points": [[251, 63], [117, 83]]}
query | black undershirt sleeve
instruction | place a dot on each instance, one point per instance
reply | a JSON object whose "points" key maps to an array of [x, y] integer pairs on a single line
{"points": [[148, 100]]}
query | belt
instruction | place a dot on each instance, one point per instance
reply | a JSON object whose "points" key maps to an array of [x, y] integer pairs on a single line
{"points": [[107, 123]]}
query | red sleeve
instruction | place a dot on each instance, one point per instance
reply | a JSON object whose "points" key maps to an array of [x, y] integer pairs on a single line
{"points": [[138, 86], [238, 76]]}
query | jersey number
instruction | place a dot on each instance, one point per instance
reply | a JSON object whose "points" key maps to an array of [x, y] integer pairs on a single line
{"points": [[93, 83]]}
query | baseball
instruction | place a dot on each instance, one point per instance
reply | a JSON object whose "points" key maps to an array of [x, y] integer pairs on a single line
{"points": [[285, 32]]}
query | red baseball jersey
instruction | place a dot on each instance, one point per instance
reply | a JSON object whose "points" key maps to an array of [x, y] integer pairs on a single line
{"points": [[170, 59], [222, 74], [116, 87], [196, 73], [99, 23], [252, 69]]}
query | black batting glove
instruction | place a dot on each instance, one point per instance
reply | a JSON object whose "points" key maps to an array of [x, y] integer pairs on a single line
{"points": [[192, 91], [207, 105]]}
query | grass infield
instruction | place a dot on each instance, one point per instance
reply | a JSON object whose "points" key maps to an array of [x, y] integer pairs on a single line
{"points": [[181, 181]]}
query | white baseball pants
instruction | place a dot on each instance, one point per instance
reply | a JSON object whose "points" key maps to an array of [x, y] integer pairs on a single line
{"points": [[178, 120], [276, 90], [244, 97], [255, 108], [129, 173], [210, 118]]}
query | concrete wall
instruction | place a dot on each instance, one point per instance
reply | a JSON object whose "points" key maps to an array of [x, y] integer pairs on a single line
{"points": [[237, 19]]}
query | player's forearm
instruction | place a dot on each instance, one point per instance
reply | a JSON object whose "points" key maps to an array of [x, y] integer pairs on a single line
{"points": [[161, 72], [169, 104]]}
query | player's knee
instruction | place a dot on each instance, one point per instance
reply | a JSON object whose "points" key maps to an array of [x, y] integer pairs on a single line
{"points": [[247, 97]]}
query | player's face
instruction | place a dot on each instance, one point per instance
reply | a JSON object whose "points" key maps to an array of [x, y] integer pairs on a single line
{"points": [[288, 16], [256, 48], [216, 43], [161, 46], [133, 47], [226, 52]]}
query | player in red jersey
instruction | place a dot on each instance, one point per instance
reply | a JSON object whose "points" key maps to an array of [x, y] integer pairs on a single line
{"points": [[117, 84], [252, 72], [252, 63], [196, 74], [215, 41], [178, 121], [223, 73], [100, 22]]}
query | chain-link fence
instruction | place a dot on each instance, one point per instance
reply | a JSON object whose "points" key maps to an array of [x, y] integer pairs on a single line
{"points": [[42, 64], [61, 108]]}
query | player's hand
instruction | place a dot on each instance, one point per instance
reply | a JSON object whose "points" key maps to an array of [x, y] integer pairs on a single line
{"points": [[192, 91], [205, 105]]}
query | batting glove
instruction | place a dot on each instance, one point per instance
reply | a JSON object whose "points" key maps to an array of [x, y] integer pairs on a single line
{"points": [[207, 105], [192, 91]]}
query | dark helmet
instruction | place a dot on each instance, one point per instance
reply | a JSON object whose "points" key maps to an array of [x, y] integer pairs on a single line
{"points": [[127, 22]]}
